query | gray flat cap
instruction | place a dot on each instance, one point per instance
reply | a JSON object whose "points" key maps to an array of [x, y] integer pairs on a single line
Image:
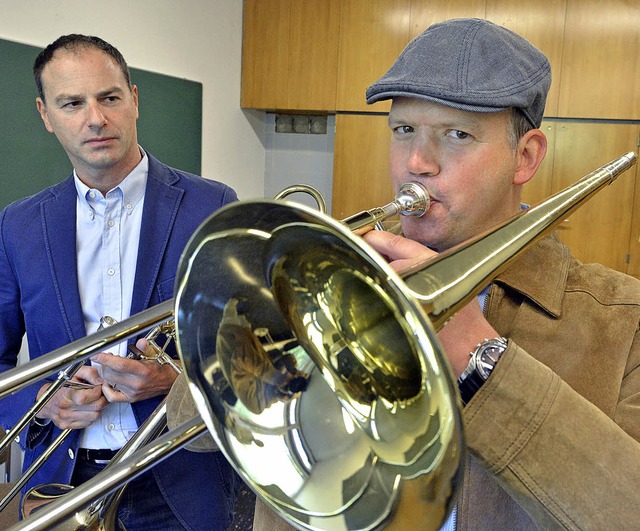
{"points": [[470, 64]]}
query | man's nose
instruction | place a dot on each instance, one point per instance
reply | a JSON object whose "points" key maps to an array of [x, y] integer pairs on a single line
{"points": [[423, 159], [95, 117]]}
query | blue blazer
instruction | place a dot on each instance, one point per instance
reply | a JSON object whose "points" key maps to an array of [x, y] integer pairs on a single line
{"points": [[39, 296]]}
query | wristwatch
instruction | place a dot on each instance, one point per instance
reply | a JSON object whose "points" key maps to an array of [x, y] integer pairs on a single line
{"points": [[483, 360]]}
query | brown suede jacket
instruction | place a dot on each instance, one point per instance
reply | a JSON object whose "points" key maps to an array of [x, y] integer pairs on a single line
{"points": [[554, 434]]}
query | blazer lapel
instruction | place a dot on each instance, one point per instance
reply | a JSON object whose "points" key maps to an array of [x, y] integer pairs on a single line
{"points": [[160, 210], [59, 234]]}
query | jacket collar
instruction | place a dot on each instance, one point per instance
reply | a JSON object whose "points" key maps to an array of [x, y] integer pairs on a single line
{"points": [[540, 273]]}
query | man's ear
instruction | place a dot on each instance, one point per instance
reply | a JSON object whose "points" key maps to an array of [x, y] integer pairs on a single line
{"points": [[532, 148], [134, 92], [42, 109]]}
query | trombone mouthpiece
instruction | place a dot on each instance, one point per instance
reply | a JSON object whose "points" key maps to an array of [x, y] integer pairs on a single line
{"points": [[413, 199]]}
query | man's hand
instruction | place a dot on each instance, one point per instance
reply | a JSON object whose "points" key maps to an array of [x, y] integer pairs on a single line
{"points": [[72, 408], [466, 328], [400, 252], [127, 380]]}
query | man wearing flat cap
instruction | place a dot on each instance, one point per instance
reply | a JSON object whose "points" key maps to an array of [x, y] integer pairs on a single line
{"points": [[552, 424]]}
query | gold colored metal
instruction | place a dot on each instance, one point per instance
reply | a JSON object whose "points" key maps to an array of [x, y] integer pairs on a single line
{"points": [[60, 507], [304, 189], [64, 380], [13, 380], [102, 513]]}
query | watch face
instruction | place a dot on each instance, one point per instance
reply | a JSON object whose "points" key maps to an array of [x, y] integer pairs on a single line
{"points": [[487, 360]]}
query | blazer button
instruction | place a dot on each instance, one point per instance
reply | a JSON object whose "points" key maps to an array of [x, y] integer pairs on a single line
{"points": [[71, 454]]}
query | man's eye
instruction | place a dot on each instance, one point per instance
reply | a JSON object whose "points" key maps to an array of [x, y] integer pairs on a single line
{"points": [[71, 104], [460, 135], [403, 129]]}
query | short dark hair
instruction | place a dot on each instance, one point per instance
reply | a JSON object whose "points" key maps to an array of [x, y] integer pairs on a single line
{"points": [[76, 41], [519, 125]]}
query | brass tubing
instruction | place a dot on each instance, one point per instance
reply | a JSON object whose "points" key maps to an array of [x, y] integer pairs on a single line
{"points": [[13, 380], [304, 189], [26, 476], [114, 477]]}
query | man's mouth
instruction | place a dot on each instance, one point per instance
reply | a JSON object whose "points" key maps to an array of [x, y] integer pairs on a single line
{"points": [[99, 141]]}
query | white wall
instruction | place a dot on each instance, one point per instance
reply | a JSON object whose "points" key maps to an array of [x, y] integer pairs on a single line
{"points": [[200, 40], [299, 159]]}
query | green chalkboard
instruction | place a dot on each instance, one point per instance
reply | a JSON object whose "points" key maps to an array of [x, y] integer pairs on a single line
{"points": [[169, 127]]}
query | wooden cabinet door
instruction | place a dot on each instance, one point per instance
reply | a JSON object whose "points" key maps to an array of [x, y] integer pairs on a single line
{"points": [[313, 56], [361, 178], [290, 54], [600, 75], [600, 230], [372, 35], [265, 52]]}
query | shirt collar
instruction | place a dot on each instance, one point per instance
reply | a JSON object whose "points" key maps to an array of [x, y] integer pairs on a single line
{"points": [[132, 187]]}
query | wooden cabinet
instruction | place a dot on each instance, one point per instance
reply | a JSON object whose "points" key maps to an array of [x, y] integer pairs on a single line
{"points": [[321, 55], [600, 75], [290, 54], [373, 33], [424, 13], [600, 230]]}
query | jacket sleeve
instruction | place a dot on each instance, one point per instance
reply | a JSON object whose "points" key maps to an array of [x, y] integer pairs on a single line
{"points": [[564, 461], [12, 331]]}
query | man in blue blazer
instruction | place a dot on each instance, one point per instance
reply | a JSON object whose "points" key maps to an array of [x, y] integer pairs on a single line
{"points": [[105, 241]]}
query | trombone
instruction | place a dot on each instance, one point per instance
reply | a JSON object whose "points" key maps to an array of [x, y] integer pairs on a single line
{"points": [[364, 335], [64, 379]]}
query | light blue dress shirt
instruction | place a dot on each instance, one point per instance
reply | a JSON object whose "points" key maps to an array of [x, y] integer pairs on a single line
{"points": [[107, 238]]}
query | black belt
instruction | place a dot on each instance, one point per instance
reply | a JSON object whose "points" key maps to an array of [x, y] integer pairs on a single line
{"points": [[89, 454]]}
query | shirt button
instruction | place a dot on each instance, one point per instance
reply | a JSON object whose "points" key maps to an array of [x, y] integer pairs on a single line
{"points": [[71, 453], [129, 207], [111, 271], [92, 193], [111, 223], [111, 427]]}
